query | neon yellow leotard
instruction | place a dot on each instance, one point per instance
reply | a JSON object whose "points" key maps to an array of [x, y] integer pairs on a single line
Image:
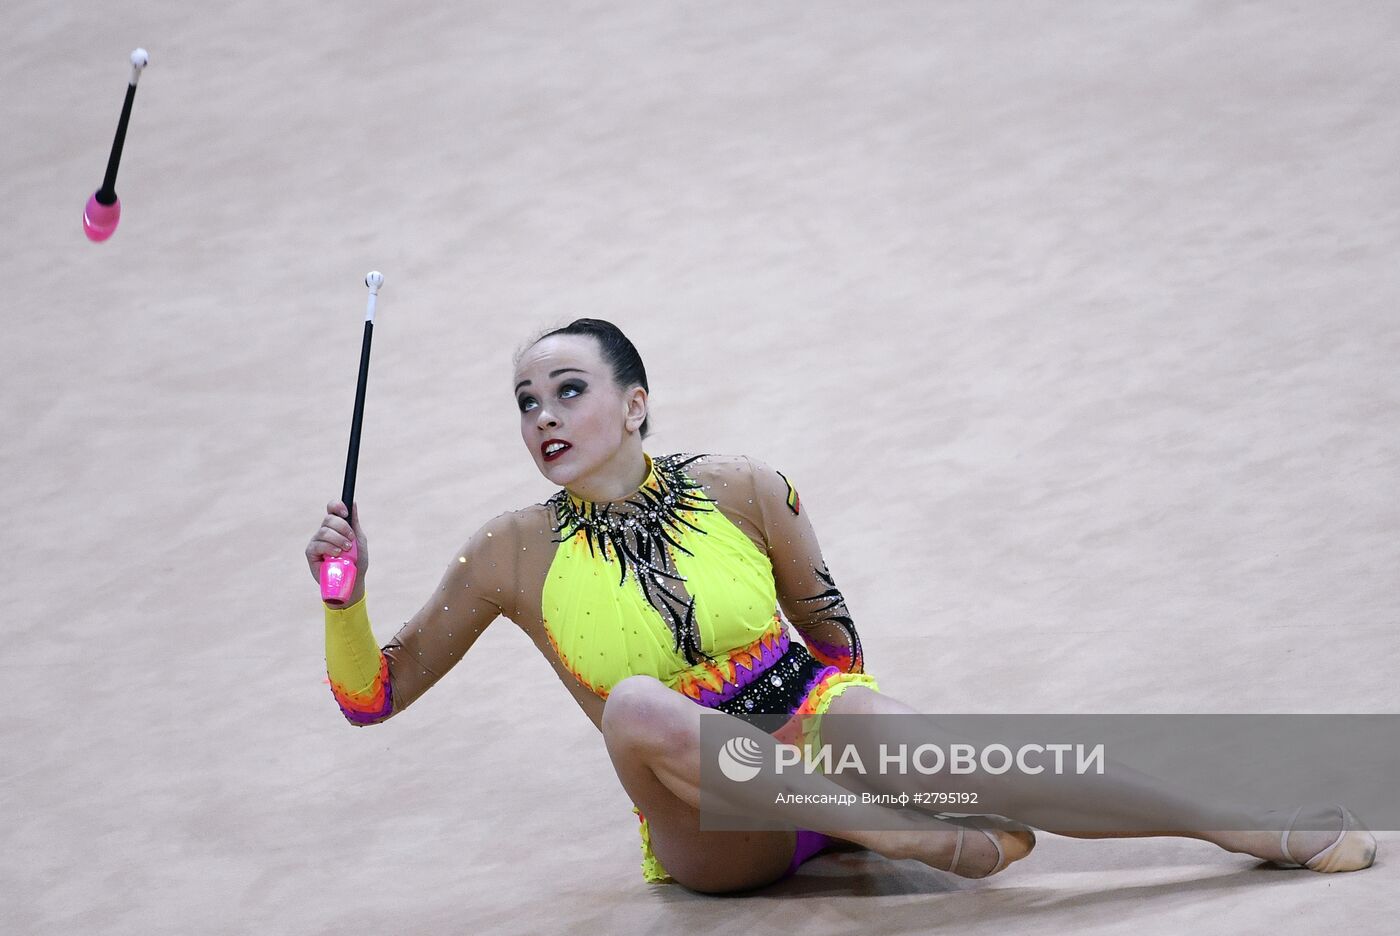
{"points": [[686, 580]]}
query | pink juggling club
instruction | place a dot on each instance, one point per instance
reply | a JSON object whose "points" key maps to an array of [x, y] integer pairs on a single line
{"points": [[338, 572], [104, 209]]}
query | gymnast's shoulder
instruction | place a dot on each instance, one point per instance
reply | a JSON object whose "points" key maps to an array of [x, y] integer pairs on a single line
{"points": [[508, 529], [726, 467], [734, 475]]}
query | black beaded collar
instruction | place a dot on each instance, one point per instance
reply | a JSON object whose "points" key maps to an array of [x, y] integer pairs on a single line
{"points": [[637, 531]]}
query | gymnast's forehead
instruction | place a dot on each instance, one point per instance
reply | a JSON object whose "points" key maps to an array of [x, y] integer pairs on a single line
{"points": [[554, 353]]}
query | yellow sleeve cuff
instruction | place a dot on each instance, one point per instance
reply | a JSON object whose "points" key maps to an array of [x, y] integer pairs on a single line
{"points": [[352, 656]]}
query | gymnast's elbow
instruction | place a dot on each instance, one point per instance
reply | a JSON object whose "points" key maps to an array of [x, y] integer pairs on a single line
{"points": [[360, 720]]}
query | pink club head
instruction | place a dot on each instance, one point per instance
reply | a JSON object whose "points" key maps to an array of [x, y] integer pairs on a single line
{"points": [[338, 576], [99, 220]]}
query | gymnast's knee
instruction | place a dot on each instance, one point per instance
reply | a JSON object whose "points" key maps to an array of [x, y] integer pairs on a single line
{"points": [[630, 705]]}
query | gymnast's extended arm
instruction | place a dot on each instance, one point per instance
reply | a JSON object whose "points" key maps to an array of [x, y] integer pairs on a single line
{"points": [[806, 590], [373, 683]]}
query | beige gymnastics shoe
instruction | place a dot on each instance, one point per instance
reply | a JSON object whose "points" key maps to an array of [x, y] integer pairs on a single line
{"points": [[1012, 841], [1354, 849]]}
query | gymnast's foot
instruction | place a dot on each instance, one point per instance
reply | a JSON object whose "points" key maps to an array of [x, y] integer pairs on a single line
{"points": [[1324, 838], [970, 847]]}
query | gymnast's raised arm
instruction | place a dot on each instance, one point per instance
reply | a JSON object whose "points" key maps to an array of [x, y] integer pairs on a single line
{"points": [[373, 683]]}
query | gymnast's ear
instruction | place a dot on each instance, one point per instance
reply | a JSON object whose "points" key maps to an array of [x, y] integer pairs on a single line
{"points": [[636, 410]]}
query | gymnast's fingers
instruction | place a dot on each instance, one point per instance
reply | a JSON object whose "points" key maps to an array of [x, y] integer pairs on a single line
{"points": [[319, 549], [335, 511], [335, 532], [325, 543], [335, 537]]}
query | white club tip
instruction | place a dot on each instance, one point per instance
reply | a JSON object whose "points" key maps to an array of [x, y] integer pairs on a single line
{"points": [[374, 279], [139, 58]]}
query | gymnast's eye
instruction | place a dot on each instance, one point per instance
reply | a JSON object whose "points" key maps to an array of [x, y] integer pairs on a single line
{"points": [[525, 402]]}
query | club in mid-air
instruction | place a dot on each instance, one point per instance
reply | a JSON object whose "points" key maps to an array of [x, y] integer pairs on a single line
{"points": [[104, 209]]}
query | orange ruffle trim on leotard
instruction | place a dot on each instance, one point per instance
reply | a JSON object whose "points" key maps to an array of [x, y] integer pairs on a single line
{"points": [[599, 691], [706, 682], [709, 683]]}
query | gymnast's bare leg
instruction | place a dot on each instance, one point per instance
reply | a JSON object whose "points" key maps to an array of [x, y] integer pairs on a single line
{"points": [[652, 734], [1057, 803]]}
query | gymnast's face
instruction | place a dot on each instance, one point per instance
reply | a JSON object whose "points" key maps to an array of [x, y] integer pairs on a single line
{"points": [[565, 392]]}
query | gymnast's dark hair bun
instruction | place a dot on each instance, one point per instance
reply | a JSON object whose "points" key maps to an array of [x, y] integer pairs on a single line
{"points": [[618, 351]]}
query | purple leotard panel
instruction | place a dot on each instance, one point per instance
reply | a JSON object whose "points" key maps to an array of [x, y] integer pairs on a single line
{"points": [[809, 845]]}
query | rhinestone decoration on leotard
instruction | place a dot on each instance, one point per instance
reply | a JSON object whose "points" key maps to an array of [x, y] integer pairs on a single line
{"points": [[779, 691], [847, 657], [638, 537]]}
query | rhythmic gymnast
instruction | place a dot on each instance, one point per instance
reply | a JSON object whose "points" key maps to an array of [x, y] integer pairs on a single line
{"points": [[656, 588]]}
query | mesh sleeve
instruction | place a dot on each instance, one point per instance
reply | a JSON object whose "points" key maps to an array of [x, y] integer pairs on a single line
{"points": [[372, 684], [807, 591]]}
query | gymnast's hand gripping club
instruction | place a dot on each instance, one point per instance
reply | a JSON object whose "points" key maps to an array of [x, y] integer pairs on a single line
{"points": [[104, 209], [338, 572]]}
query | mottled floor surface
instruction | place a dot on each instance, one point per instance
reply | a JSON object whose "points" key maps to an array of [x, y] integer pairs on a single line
{"points": [[1075, 324]]}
